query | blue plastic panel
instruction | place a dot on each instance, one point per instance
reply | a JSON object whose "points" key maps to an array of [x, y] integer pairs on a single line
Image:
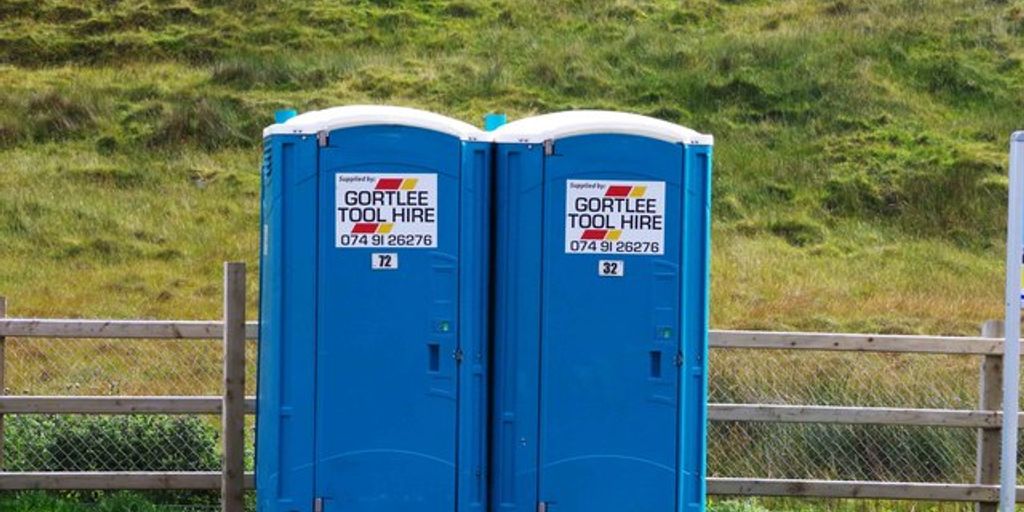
{"points": [[600, 352], [474, 325], [386, 376], [284, 469], [393, 374], [608, 380], [695, 292], [519, 174]]}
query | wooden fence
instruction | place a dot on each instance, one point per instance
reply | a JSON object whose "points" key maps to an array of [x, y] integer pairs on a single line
{"points": [[233, 406], [987, 420]]}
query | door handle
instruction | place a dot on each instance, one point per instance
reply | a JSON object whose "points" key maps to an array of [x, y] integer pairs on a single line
{"points": [[655, 364], [433, 357]]}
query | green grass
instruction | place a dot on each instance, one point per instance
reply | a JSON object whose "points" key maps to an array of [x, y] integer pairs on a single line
{"points": [[859, 162], [36, 501], [792, 505], [859, 176], [131, 502]]}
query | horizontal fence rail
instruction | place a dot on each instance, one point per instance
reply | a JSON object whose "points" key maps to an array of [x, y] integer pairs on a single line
{"points": [[117, 405], [856, 342], [198, 330], [113, 329], [853, 415], [111, 480], [855, 489], [986, 420]]}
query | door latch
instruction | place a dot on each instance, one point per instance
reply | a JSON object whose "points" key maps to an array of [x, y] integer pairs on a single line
{"points": [[318, 505], [542, 506]]}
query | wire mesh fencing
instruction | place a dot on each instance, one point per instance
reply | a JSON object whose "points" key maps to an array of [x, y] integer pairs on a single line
{"points": [[72, 367], [80, 367], [863, 379], [886, 453], [137, 442]]}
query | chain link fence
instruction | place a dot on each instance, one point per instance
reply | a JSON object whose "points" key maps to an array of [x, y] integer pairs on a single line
{"points": [[736, 449], [843, 452], [126, 367], [73, 367]]}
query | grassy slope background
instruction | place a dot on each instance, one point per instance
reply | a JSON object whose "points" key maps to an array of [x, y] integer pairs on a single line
{"points": [[860, 145]]}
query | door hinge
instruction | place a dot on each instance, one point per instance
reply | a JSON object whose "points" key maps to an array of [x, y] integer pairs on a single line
{"points": [[678, 359], [321, 138], [542, 506], [458, 355], [549, 147]]}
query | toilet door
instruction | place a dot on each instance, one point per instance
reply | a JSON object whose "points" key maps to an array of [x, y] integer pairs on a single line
{"points": [[386, 374], [610, 336]]}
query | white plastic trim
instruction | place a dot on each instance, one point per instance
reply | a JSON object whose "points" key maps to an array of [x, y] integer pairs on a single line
{"points": [[367, 115], [585, 122], [1011, 320]]}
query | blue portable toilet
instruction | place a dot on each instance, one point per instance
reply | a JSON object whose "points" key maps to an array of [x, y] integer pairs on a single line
{"points": [[373, 355], [601, 314]]}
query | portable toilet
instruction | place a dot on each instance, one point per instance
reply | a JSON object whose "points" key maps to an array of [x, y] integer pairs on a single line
{"points": [[601, 314], [373, 355]]}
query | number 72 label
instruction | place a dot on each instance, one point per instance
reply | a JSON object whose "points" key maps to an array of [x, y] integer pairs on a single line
{"points": [[384, 261]]}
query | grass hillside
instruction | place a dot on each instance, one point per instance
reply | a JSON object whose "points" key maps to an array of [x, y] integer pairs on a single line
{"points": [[860, 158]]}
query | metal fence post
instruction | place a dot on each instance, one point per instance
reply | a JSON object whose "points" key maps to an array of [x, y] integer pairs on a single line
{"points": [[990, 399], [233, 419], [3, 342]]}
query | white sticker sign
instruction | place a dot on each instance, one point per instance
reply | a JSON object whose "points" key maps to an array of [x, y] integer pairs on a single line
{"points": [[615, 217], [611, 268], [384, 261], [386, 210]]}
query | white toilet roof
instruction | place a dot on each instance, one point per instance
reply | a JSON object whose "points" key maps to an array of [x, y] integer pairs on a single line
{"points": [[560, 125], [367, 115]]}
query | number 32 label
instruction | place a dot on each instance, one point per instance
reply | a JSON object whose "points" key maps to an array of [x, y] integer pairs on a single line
{"points": [[611, 268]]}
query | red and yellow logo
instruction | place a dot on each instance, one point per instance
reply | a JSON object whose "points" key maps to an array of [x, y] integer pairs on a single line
{"points": [[373, 227], [625, 191], [613, 191], [396, 184], [601, 234], [385, 184]]}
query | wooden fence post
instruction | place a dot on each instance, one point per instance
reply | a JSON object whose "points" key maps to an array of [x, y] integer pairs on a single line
{"points": [[990, 399], [233, 419], [3, 313]]}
